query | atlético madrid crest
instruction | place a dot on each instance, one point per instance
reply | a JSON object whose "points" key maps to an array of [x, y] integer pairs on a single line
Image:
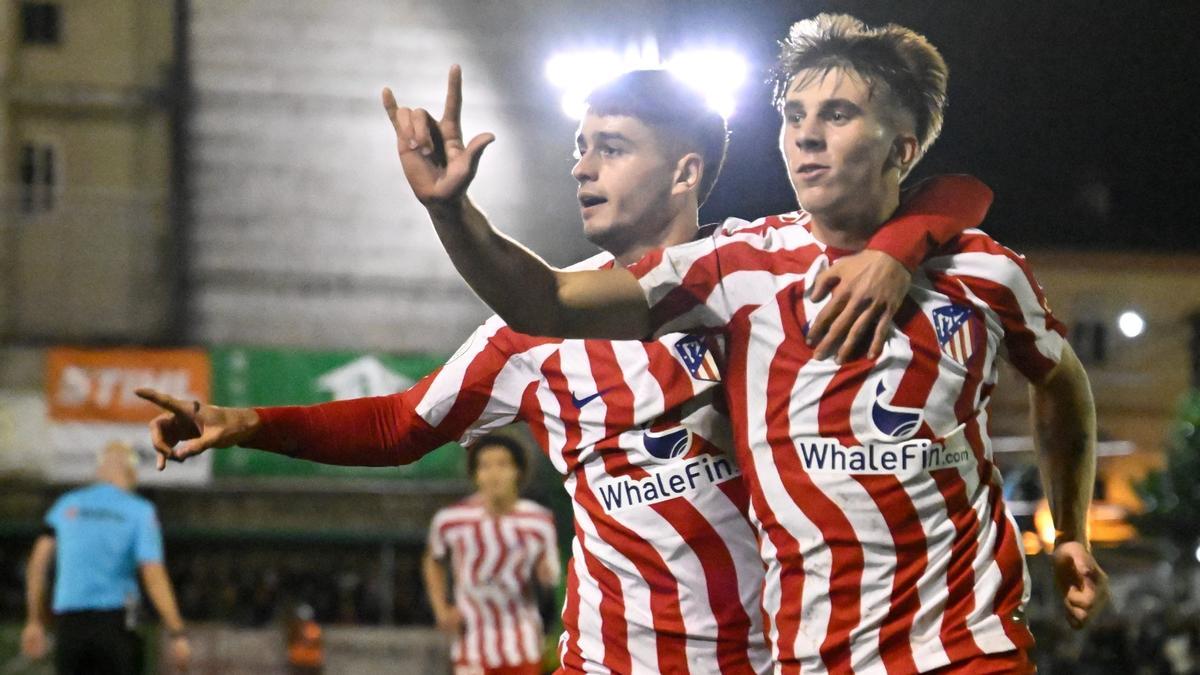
{"points": [[698, 358], [953, 328]]}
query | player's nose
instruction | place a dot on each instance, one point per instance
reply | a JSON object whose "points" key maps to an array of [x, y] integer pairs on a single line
{"points": [[584, 169]]}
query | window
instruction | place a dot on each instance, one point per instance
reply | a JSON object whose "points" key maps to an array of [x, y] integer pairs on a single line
{"points": [[40, 23], [1090, 340], [39, 175]]}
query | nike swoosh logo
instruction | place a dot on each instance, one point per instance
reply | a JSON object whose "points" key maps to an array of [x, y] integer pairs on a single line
{"points": [[580, 402]]}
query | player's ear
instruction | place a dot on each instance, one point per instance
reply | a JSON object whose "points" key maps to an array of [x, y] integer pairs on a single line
{"points": [[903, 153], [688, 172]]}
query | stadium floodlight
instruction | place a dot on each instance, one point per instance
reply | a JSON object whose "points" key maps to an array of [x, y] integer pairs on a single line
{"points": [[717, 73], [1131, 324]]}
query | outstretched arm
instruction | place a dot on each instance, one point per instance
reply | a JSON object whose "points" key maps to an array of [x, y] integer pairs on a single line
{"points": [[375, 431], [532, 296], [1064, 420]]}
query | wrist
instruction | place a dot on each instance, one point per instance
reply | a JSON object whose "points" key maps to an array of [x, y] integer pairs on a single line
{"points": [[248, 424], [449, 208], [177, 633], [1068, 537]]}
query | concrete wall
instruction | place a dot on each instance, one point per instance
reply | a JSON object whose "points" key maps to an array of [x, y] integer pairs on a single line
{"points": [[305, 232]]}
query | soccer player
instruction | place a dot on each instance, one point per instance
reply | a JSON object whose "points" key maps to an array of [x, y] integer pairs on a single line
{"points": [[665, 574], [882, 526], [101, 537], [499, 546]]}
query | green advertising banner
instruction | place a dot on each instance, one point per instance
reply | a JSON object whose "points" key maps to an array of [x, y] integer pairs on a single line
{"points": [[263, 377]]}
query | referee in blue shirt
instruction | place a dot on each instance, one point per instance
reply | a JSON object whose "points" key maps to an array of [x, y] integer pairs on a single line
{"points": [[101, 538]]}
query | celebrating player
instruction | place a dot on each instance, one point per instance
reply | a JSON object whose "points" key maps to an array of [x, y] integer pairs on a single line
{"points": [[882, 525], [665, 569]]}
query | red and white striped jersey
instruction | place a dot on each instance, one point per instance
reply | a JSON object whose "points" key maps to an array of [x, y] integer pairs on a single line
{"points": [[882, 525], [665, 574], [493, 559]]}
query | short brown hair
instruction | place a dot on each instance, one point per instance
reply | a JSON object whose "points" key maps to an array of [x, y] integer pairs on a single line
{"points": [[911, 68], [660, 100], [516, 450]]}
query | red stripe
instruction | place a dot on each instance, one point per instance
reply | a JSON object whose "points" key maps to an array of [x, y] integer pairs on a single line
{"points": [[664, 595], [503, 548], [475, 630], [477, 537], [662, 586], [845, 550], [497, 641], [960, 573], [520, 639], [1010, 559], [572, 657], [613, 628], [733, 624], [908, 539]]}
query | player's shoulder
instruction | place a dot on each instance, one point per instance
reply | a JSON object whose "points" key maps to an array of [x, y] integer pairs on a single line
{"points": [[464, 509], [598, 261], [978, 246], [976, 259], [532, 508]]}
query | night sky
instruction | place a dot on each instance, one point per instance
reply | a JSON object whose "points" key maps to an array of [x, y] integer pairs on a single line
{"points": [[1080, 115]]}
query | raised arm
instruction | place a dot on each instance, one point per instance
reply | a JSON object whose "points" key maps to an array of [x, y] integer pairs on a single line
{"points": [[532, 296], [1064, 421]]}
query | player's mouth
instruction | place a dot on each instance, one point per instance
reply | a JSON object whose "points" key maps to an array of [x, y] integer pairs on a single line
{"points": [[811, 172], [589, 201]]}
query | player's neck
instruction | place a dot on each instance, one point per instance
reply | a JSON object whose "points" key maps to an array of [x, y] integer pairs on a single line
{"points": [[498, 505], [852, 228], [679, 230], [119, 482]]}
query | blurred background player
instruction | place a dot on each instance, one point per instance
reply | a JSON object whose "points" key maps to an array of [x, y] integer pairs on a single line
{"points": [[501, 549], [101, 538]]}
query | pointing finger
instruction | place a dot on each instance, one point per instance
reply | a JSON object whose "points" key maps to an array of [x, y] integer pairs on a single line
{"points": [[165, 401], [452, 112]]}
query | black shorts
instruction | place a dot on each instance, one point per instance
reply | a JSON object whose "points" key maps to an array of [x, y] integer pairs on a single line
{"points": [[96, 643]]}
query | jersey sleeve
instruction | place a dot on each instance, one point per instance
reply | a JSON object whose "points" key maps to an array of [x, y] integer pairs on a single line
{"points": [[477, 390], [148, 546], [1033, 338], [53, 518], [689, 288], [931, 214]]}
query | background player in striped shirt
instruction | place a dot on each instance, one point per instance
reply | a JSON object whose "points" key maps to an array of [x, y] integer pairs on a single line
{"points": [[665, 575], [882, 522], [501, 548]]}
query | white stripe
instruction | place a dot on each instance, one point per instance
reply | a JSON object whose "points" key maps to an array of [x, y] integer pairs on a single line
{"points": [[767, 335]]}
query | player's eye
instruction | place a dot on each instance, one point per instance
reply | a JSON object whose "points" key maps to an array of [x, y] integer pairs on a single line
{"points": [[606, 151]]}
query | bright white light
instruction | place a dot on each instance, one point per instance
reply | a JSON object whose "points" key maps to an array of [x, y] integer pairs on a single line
{"points": [[717, 73], [1198, 554], [1131, 324]]}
